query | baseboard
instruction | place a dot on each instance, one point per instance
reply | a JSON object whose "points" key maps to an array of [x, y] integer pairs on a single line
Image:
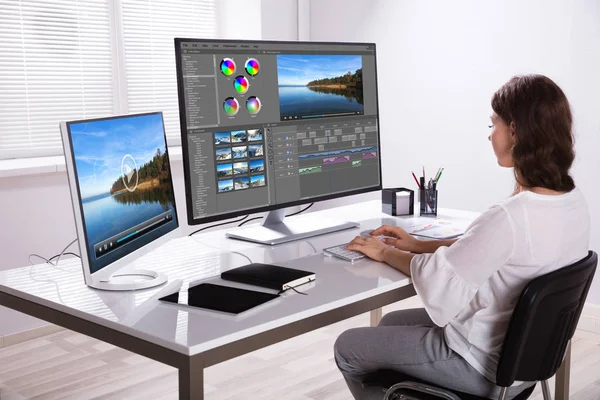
{"points": [[590, 318], [20, 337]]}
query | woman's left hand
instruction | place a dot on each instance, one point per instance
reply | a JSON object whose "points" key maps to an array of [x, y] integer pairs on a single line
{"points": [[373, 248]]}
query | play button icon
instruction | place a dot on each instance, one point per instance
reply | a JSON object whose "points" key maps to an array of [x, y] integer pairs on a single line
{"points": [[129, 173], [128, 170]]}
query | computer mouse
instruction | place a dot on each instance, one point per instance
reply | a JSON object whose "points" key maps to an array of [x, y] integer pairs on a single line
{"points": [[367, 233]]}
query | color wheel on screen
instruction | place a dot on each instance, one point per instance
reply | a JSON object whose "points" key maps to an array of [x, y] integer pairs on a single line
{"points": [[241, 84], [253, 105], [231, 106], [227, 66], [252, 66]]}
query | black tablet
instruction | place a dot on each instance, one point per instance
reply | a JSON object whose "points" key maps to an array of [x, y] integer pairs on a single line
{"points": [[221, 298]]}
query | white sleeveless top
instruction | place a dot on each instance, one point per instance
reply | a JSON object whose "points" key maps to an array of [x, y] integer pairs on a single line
{"points": [[472, 287]]}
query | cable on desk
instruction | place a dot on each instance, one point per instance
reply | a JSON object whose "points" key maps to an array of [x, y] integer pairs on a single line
{"points": [[294, 289], [58, 257], [301, 211], [38, 256], [251, 219], [289, 215], [241, 254], [46, 281], [219, 224], [67, 253], [311, 245], [63, 252]]}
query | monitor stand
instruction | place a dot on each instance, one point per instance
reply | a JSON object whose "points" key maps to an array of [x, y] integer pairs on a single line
{"points": [[135, 279], [274, 230]]}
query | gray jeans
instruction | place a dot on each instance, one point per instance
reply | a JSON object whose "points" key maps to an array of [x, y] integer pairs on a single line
{"points": [[409, 342]]}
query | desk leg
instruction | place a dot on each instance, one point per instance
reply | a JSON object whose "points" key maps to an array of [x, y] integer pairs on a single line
{"points": [[561, 388], [191, 379], [376, 315]]}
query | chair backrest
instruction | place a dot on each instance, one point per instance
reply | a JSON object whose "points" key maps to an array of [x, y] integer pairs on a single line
{"points": [[543, 322]]}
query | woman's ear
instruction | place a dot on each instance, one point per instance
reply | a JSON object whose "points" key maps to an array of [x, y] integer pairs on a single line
{"points": [[513, 131]]}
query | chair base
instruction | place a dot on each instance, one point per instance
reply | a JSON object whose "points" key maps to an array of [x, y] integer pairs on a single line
{"points": [[386, 379]]}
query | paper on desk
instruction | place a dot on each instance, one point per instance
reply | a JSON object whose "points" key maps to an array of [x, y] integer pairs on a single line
{"points": [[435, 228]]}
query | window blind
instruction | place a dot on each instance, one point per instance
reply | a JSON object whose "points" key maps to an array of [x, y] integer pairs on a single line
{"points": [[55, 64], [149, 29]]}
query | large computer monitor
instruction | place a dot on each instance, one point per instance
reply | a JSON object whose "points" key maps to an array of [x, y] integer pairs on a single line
{"points": [[122, 195], [268, 125]]}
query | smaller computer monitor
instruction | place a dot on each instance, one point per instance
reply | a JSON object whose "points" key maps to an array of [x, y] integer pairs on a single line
{"points": [[122, 195]]}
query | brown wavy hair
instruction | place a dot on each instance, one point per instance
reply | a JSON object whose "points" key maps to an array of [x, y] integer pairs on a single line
{"points": [[543, 148]]}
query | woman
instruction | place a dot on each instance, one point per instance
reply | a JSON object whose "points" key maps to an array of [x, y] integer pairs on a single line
{"points": [[469, 286]]}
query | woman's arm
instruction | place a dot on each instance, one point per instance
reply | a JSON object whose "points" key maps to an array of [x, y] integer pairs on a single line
{"points": [[398, 259], [401, 260], [430, 246]]}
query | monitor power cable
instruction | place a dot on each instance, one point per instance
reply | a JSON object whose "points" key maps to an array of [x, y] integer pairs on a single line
{"points": [[312, 246], [219, 224], [248, 220], [57, 256], [301, 211], [53, 265]]}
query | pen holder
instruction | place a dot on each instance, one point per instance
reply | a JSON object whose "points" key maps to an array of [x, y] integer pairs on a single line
{"points": [[428, 200]]}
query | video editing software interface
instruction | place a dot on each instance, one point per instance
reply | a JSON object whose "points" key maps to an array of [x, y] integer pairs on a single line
{"points": [[274, 123], [124, 182]]}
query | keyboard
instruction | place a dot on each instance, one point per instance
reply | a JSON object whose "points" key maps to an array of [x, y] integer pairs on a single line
{"points": [[340, 251]]}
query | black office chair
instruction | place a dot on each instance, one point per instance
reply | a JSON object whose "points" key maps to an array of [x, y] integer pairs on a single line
{"points": [[541, 326]]}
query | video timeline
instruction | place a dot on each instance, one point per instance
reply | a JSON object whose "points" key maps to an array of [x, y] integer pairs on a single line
{"points": [[336, 155], [111, 244]]}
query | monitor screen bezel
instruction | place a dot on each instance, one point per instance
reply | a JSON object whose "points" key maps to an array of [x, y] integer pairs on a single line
{"points": [[184, 144], [78, 203]]}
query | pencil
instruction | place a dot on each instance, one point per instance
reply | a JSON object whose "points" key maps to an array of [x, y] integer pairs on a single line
{"points": [[416, 180]]}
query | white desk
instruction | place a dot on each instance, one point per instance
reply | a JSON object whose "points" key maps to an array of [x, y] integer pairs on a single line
{"points": [[192, 339]]}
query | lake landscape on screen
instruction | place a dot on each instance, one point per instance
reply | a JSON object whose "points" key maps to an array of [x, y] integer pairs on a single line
{"points": [[123, 173], [319, 84]]}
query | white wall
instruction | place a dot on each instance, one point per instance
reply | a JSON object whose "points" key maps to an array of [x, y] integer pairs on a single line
{"points": [[439, 63], [240, 19], [279, 19]]}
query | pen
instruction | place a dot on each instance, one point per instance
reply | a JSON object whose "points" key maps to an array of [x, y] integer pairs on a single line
{"points": [[423, 173], [440, 175], [414, 176]]}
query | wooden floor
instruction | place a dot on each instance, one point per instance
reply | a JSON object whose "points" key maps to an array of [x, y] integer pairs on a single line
{"points": [[67, 365]]}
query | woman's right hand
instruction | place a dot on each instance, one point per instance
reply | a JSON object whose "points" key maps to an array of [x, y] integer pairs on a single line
{"points": [[398, 238]]}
